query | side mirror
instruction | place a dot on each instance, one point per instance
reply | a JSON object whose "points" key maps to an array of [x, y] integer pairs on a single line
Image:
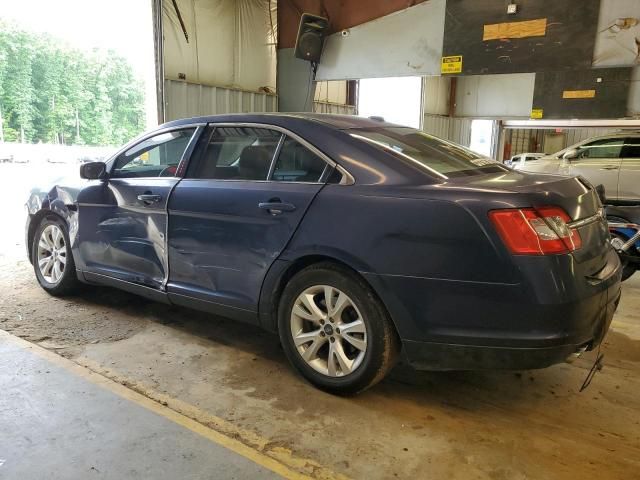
{"points": [[571, 154], [601, 193], [93, 171]]}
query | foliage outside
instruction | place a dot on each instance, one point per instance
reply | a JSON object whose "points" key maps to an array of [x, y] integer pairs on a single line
{"points": [[52, 93]]}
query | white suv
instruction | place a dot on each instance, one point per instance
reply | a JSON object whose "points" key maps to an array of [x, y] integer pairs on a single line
{"points": [[517, 161], [611, 160]]}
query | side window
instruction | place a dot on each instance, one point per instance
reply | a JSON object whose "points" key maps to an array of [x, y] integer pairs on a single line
{"points": [[157, 156], [237, 153], [610, 148], [631, 148], [296, 163]]}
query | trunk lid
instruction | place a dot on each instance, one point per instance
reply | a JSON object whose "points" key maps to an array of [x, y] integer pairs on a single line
{"points": [[575, 195]]}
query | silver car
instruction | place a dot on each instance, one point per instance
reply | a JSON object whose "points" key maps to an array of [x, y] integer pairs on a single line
{"points": [[612, 160], [517, 161]]}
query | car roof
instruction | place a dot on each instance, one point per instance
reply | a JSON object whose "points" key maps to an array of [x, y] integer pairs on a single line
{"points": [[340, 122]]}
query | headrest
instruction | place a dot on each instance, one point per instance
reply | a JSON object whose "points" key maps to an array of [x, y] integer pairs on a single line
{"points": [[254, 162]]}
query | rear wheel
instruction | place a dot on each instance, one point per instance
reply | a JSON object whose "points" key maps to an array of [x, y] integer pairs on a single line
{"points": [[52, 260], [335, 331]]}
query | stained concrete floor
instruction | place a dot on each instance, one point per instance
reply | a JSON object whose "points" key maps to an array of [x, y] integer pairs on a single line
{"points": [[55, 424], [234, 379]]}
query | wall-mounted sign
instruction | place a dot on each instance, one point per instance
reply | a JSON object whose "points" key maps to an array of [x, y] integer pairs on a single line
{"points": [[537, 113], [451, 64]]}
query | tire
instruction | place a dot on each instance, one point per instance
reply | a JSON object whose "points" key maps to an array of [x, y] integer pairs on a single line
{"points": [[342, 362], [628, 269], [52, 240]]}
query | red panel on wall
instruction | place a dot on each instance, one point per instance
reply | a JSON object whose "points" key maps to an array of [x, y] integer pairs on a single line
{"points": [[342, 14]]}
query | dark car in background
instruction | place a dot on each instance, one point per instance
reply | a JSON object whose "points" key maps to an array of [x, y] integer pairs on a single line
{"points": [[355, 239]]}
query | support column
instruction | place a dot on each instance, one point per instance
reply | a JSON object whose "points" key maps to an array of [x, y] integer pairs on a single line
{"points": [[296, 91]]}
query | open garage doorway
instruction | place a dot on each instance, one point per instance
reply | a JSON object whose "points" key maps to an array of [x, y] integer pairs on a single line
{"points": [[77, 80], [482, 137], [396, 99]]}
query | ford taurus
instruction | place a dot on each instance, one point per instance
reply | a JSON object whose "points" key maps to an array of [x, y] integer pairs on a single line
{"points": [[356, 240]]}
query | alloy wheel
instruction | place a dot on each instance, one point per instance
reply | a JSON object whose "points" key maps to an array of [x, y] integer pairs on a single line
{"points": [[52, 254], [328, 330]]}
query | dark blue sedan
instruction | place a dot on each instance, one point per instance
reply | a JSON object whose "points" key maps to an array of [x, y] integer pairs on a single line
{"points": [[356, 240]]}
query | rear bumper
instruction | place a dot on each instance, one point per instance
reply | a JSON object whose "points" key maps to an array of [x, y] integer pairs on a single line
{"points": [[446, 325], [441, 356]]}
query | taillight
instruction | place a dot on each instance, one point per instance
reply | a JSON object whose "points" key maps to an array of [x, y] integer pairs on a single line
{"points": [[536, 231]]}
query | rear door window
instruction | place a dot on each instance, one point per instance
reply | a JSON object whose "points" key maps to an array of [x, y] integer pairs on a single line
{"points": [[296, 163], [632, 148], [237, 153]]}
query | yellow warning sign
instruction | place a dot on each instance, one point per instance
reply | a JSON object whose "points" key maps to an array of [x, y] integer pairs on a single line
{"points": [[537, 113], [579, 94], [451, 64]]}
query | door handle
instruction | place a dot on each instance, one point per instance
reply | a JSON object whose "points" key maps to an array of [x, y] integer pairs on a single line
{"points": [[275, 206], [148, 198], [610, 167]]}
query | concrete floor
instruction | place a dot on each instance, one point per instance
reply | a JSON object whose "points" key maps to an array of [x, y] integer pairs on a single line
{"points": [[235, 380], [55, 424]]}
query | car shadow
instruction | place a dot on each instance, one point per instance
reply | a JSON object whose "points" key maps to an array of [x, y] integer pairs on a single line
{"points": [[469, 390]]}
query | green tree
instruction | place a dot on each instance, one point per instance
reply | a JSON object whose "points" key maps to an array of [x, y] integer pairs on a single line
{"points": [[55, 94], [18, 93]]}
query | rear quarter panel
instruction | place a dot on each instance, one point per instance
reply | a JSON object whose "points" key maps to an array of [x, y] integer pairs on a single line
{"points": [[393, 235], [389, 238]]}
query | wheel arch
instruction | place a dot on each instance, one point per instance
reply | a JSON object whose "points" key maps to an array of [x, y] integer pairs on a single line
{"points": [[282, 271], [36, 218]]}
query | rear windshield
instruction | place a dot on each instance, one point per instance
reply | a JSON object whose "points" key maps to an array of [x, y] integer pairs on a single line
{"points": [[437, 157]]}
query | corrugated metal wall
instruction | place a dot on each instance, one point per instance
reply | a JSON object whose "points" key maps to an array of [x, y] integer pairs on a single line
{"points": [[184, 100], [579, 134], [331, 92], [457, 130], [435, 92], [337, 108]]}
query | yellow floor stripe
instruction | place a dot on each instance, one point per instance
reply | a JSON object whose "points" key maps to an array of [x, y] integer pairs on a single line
{"points": [[221, 439]]}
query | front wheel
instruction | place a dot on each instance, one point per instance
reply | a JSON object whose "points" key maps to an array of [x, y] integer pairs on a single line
{"points": [[52, 260], [335, 331]]}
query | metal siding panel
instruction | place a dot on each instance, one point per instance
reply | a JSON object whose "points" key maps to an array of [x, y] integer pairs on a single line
{"points": [[184, 100], [436, 125], [324, 107], [436, 95]]}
